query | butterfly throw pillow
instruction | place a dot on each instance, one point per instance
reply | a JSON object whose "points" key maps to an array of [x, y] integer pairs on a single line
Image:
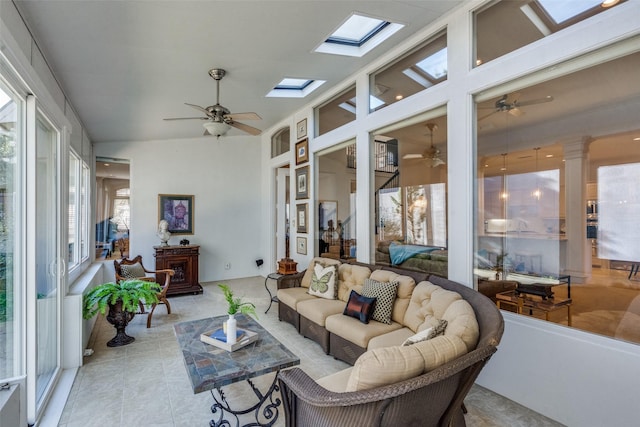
{"points": [[323, 282]]}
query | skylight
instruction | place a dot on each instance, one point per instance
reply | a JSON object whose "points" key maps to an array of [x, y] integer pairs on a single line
{"points": [[358, 35], [294, 88], [561, 11], [435, 65], [357, 30]]}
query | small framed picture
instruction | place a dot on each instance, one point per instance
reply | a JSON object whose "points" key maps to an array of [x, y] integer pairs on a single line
{"points": [[301, 129], [302, 183], [301, 245], [177, 210], [302, 215], [302, 151]]}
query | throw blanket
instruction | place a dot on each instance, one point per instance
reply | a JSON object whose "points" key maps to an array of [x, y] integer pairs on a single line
{"points": [[401, 253]]}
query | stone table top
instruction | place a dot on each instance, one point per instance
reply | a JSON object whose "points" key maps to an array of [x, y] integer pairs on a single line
{"points": [[211, 367]]}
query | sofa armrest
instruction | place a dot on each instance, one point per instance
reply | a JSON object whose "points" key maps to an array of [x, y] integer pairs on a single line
{"points": [[308, 403], [290, 280]]}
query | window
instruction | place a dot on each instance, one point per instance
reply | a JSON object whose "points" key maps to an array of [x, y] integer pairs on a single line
{"points": [[336, 204], [336, 112], [358, 35], [121, 212], [557, 199], [506, 26], [280, 142], [78, 211], [11, 123], [411, 195], [422, 68]]}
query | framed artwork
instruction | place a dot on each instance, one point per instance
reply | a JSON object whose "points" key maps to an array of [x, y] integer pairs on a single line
{"points": [[301, 129], [177, 210], [302, 214], [301, 245], [302, 151], [327, 211], [302, 183]]}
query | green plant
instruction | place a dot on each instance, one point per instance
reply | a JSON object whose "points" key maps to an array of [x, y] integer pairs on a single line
{"points": [[130, 292], [236, 304]]}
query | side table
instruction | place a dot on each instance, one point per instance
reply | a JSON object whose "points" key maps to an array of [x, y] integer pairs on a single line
{"points": [[272, 298]]}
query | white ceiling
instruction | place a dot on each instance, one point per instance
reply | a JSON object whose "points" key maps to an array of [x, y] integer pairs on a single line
{"points": [[126, 65]]}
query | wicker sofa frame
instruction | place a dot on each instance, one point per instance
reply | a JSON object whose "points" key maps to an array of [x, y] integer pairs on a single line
{"points": [[432, 399]]}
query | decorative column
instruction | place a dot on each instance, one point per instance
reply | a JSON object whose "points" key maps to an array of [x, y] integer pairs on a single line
{"points": [[578, 250]]}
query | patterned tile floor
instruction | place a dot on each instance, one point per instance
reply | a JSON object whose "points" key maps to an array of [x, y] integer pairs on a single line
{"points": [[145, 383]]}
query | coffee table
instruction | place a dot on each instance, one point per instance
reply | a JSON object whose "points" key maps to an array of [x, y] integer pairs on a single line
{"points": [[211, 368]]}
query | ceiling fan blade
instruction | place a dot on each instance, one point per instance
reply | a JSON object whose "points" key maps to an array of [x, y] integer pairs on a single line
{"points": [[187, 118], [413, 156], [246, 128], [197, 107], [534, 101], [516, 112], [486, 115], [243, 116]]}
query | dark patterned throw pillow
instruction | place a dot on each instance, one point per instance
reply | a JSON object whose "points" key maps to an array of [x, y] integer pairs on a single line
{"points": [[385, 295]]}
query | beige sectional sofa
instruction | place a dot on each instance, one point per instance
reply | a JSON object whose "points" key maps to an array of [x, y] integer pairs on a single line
{"points": [[418, 305], [389, 383]]}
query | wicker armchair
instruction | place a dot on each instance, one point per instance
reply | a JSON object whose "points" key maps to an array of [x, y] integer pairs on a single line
{"points": [[431, 399]]}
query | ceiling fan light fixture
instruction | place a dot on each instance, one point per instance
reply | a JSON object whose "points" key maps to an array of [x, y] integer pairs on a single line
{"points": [[216, 129]]}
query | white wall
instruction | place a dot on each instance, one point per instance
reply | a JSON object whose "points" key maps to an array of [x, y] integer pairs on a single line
{"points": [[224, 177]]}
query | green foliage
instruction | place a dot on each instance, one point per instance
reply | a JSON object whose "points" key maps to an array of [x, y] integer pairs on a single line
{"points": [[131, 292], [235, 303]]}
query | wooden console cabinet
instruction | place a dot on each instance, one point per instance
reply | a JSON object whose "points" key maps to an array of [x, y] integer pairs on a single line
{"points": [[184, 261]]}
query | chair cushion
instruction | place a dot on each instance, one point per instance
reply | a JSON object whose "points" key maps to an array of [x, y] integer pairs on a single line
{"points": [[318, 309], [359, 307], [385, 295], [132, 271], [384, 366], [323, 281]]}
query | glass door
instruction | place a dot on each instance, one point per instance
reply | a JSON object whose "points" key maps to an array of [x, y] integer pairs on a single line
{"points": [[49, 267]]}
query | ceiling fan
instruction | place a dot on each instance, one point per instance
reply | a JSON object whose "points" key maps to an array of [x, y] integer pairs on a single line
{"points": [[218, 118], [513, 106], [432, 154]]}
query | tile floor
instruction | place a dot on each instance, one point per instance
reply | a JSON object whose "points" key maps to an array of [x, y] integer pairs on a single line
{"points": [[145, 383]]}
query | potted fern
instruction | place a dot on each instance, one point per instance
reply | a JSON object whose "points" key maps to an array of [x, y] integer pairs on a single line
{"points": [[235, 305], [122, 299]]}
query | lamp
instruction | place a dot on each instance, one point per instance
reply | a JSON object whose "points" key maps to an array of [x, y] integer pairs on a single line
{"points": [[216, 128]]}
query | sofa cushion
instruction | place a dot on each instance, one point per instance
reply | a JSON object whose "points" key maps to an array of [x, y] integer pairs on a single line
{"points": [[318, 309], [384, 366], [406, 284], [323, 281], [428, 303], [359, 307], [358, 333], [306, 278], [351, 277], [462, 323], [390, 339], [385, 295], [440, 350], [336, 382], [292, 296]]}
